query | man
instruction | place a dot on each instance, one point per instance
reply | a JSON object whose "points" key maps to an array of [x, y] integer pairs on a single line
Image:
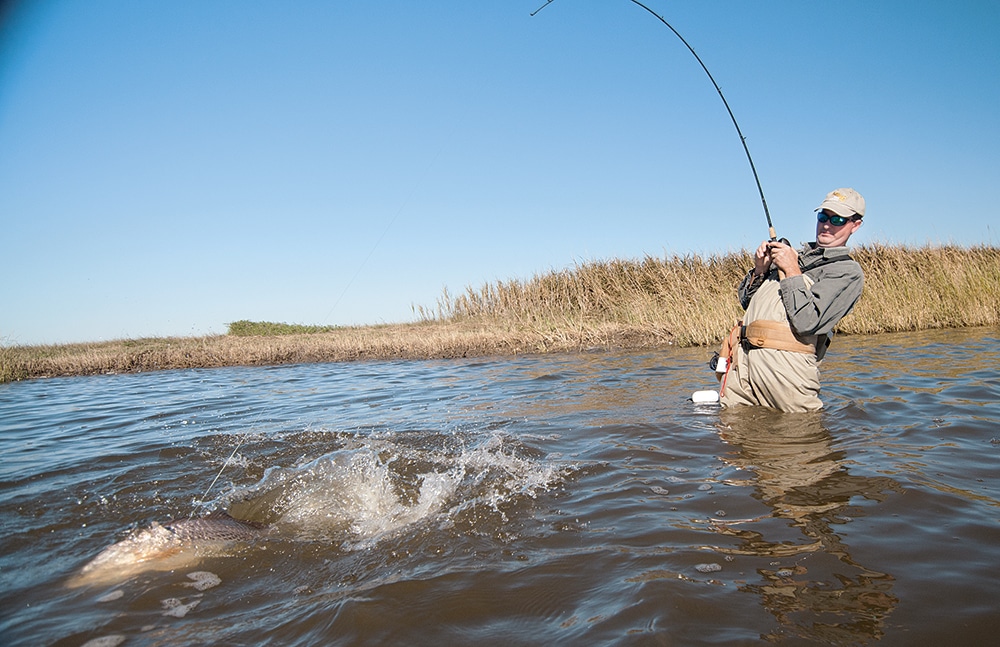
{"points": [[793, 300]]}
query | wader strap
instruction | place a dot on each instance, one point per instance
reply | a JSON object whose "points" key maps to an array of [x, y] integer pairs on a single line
{"points": [[731, 341], [777, 335], [726, 353]]}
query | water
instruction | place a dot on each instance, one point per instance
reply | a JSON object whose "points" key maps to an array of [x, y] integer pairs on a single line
{"points": [[557, 500]]}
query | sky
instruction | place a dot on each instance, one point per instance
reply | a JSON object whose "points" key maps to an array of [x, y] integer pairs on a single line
{"points": [[169, 167]]}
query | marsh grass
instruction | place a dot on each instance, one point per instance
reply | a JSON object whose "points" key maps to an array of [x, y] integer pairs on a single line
{"points": [[245, 328], [690, 300], [929, 287], [422, 340], [646, 303], [686, 300]]}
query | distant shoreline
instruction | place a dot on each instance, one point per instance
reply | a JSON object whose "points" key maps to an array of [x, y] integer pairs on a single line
{"points": [[628, 305], [415, 341]]}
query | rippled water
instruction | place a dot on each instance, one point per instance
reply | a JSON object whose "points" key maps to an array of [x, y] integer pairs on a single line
{"points": [[538, 500]]}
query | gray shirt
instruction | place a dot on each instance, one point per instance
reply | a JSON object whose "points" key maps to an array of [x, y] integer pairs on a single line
{"points": [[816, 309]]}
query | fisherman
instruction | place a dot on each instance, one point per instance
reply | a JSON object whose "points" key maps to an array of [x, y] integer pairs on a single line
{"points": [[793, 300]]}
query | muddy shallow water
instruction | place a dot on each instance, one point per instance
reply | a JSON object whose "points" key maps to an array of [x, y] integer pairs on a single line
{"points": [[574, 499]]}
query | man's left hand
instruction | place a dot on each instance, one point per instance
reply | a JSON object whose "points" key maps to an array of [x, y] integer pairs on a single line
{"points": [[785, 258]]}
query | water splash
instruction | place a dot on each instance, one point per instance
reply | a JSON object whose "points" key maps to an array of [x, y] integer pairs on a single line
{"points": [[380, 484]]}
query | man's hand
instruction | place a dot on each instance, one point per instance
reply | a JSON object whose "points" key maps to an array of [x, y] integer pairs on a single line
{"points": [[783, 256], [762, 260]]}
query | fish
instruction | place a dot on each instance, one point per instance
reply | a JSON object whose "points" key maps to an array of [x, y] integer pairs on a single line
{"points": [[165, 547]]}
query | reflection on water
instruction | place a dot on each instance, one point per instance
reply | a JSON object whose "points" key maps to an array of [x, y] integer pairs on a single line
{"points": [[557, 500], [804, 480]]}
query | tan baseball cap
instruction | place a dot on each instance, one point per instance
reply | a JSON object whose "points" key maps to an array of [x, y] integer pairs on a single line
{"points": [[844, 202]]}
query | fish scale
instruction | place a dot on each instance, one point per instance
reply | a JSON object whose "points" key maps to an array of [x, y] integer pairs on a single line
{"points": [[217, 526]]}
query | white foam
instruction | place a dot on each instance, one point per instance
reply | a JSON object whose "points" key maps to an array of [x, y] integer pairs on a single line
{"points": [[203, 580], [355, 494], [175, 608], [105, 641], [359, 495]]}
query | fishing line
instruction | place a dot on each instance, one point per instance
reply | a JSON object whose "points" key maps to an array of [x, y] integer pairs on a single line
{"points": [[743, 140], [385, 231], [243, 438], [365, 261]]}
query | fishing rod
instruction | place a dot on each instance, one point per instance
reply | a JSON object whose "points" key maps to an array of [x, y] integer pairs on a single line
{"points": [[743, 140]]}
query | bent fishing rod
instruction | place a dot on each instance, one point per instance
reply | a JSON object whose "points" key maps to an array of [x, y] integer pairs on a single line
{"points": [[743, 140]]}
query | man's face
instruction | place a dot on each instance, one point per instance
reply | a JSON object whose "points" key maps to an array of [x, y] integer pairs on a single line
{"points": [[830, 235]]}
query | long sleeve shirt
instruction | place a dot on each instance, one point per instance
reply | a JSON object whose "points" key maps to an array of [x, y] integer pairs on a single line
{"points": [[837, 281]]}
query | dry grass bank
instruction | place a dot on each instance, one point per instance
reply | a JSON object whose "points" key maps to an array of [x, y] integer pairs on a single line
{"points": [[424, 340], [686, 300], [691, 299], [644, 303], [926, 288]]}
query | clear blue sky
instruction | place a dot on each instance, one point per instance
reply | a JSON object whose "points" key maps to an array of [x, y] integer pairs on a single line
{"points": [[169, 167]]}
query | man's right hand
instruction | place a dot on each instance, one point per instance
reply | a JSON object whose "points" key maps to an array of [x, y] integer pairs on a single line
{"points": [[762, 259]]}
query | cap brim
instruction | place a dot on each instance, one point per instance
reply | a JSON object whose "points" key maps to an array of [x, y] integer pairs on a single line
{"points": [[837, 207]]}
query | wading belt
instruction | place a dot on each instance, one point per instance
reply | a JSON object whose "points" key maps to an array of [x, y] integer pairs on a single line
{"points": [[777, 335]]}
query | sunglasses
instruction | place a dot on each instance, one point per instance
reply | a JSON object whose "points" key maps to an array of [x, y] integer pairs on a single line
{"points": [[836, 221]]}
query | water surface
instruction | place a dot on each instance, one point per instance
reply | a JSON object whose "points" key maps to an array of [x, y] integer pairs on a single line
{"points": [[576, 499]]}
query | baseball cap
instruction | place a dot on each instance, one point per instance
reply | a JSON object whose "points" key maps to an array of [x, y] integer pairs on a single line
{"points": [[844, 202]]}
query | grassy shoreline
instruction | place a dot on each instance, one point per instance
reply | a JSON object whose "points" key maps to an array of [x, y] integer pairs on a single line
{"points": [[617, 304]]}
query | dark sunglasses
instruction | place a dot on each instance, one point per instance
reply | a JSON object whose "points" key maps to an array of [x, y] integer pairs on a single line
{"points": [[836, 221]]}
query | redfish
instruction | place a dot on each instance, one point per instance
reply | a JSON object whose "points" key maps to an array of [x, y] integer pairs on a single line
{"points": [[164, 547]]}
